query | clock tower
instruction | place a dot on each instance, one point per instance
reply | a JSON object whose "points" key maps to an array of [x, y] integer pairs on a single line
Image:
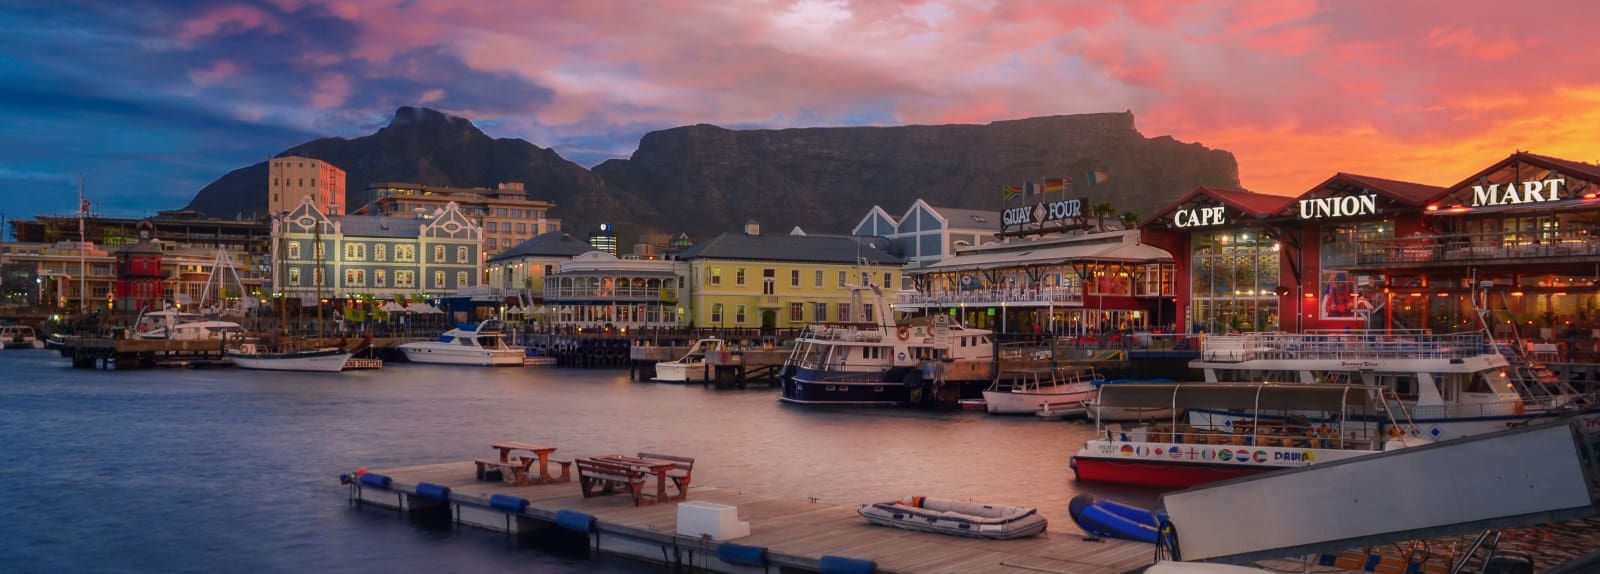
{"points": [[139, 273]]}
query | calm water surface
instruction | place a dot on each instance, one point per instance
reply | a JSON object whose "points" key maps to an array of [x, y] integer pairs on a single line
{"points": [[205, 470]]}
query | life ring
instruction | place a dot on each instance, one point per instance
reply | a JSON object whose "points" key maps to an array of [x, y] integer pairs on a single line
{"points": [[902, 355], [903, 332]]}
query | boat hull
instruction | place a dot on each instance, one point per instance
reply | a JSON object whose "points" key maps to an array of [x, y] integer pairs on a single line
{"points": [[417, 353], [967, 519], [812, 387], [1030, 402], [675, 372], [1182, 465], [1113, 519], [318, 361], [1154, 473]]}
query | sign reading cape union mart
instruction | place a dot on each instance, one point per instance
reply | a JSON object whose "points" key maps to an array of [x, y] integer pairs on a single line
{"points": [[1043, 212]]}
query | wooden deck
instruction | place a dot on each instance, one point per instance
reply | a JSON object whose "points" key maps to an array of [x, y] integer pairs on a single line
{"points": [[797, 533]]}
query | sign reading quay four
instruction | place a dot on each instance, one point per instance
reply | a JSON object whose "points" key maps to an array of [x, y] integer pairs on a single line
{"points": [[1041, 213], [1513, 194]]}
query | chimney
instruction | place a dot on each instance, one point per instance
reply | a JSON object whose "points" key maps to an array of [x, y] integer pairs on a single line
{"points": [[752, 228]]}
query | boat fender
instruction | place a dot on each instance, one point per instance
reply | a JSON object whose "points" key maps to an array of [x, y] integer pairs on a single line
{"points": [[903, 332], [742, 555], [508, 503], [575, 521], [433, 491], [841, 565], [374, 480]]}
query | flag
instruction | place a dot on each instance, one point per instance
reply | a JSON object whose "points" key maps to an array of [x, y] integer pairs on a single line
{"points": [[1011, 191], [1055, 186], [1030, 188], [1095, 177]]}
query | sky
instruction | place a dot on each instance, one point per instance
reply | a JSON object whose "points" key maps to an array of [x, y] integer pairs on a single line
{"points": [[144, 103]]}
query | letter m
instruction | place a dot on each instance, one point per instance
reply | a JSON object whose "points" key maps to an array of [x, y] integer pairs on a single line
{"points": [[1481, 196]]}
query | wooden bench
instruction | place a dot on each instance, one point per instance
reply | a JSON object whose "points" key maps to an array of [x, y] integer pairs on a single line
{"points": [[518, 469], [682, 470], [566, 470], [606, 476]]}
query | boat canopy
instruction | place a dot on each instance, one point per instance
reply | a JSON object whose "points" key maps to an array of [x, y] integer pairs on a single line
{"points": [[1241, 396]]}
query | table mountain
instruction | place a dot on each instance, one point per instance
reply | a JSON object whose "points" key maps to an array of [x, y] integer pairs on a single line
{"points": [[704, 179]]}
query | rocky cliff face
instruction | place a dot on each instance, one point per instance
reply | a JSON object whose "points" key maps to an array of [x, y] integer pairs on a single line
{"points": [[705, 180]]}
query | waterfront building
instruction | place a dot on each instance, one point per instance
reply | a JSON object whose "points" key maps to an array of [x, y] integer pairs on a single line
{"points": [[925, 234], [292, 179], [521, 270], [504, 215], [1066, 284], [1520, 239], [378, 256], [596, 289], [139, 273], [783, 281], [605, 239]]}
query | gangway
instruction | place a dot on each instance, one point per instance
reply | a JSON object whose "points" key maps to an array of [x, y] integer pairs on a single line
{"points": [[1518, 477]]}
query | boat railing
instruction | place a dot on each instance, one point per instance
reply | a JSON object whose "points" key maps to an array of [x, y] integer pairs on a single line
{"points": [[1246, 433], [1464, 410], [1341, 345]]}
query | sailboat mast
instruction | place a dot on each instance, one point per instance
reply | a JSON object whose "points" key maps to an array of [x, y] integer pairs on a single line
{"points": [[319, 278], [283, 266]]}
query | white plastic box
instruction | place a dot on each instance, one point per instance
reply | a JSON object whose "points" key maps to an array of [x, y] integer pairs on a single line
{"points": [[719, 521]]}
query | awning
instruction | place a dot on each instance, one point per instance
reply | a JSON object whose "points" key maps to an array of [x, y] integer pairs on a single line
{"points": [[1089, 250], [1240, 396]]}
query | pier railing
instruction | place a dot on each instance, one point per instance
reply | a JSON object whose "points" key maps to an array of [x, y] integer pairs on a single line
{"points": [[1409, 344], [1046, 296]]}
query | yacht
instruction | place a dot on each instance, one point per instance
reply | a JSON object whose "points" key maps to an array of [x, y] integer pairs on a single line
{"points": [[19, 337], [885, 362], [482, 344], [177, 326], [691, 367], [1451, 385], [1040, 389]]}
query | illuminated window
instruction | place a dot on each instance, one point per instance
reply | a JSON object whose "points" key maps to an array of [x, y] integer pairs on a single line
{"points": [[738, 314], [738, 276], [294, 250], [461, 255], [716, 275], [438, 280], [379, 251], [294, 276]]}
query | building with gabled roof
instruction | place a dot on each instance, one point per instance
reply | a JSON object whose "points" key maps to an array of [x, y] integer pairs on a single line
{"points": [[370, 255], [523, 267], [925, 234]]}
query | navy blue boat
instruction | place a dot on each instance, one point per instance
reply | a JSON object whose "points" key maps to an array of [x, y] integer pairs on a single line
{"points": [[1115, 520]]}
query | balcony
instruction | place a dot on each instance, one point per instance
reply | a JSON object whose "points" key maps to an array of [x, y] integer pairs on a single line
{"points": [[1466, 249], [645, 294], [1041, 297]]}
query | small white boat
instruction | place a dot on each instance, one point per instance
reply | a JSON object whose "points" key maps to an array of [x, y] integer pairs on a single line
{"points": [[1033, 390], [1120, 414], [969, 519], [19, 337], [177, 326], [691, 367], [320, 359], [483, 344]]}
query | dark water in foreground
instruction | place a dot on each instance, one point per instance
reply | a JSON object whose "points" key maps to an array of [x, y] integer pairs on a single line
{"points": [[210, 470]]}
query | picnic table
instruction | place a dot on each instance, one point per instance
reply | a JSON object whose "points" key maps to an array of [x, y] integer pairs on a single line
{"points": [[657, 467], [523, 469]]}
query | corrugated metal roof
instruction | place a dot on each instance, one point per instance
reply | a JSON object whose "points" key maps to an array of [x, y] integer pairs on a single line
{"points": [[379, 226], [1413, 194], [1087, 251], [551, 244], [806, 248], [969, 217]]}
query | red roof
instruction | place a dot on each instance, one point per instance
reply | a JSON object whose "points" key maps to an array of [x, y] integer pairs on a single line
{"points": [[1414, 194], [1251, 203], [1581, 170]]}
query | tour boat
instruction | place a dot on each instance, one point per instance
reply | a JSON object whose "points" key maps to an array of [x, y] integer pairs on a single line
{"points": [[319, 359], [1281, 430], [1452, 385], [19, 337], [691, 367], [178, 326], [884, 362], [969, 519], [482, 344], [1041, 389]]}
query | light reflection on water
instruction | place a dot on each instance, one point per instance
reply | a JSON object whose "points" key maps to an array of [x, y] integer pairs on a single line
{"points": [[200, 470]]}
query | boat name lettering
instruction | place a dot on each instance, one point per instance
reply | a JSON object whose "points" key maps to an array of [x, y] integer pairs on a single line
{"points": [[1320, 207], [1358, 363], [1199, 217], [1513, 194], [1305, 456]]}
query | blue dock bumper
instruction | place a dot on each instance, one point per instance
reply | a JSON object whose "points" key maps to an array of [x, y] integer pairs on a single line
{"points": [[374, 480], [433, 491], [742, 555], [575, 521], [841, 565], [515, 504]]}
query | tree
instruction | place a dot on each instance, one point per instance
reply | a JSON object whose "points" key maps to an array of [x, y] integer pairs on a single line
{"points": [[1100, 212], [1130, 219]]}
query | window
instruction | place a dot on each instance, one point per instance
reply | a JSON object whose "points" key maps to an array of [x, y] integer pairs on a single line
{"points": [[355, 252], [866, 278], [319, 278], [738, 276], [405, 279], [821, 310], [522, 228], [379, 278], [405, 253], [379, 252], [294, 276], [794, 278], [738, 314], [866, 309], [887, 279], [500, 212], [461, 254], [843, 278], [438, 254], [797, 312], [438, 280], [355, 277], [844, 313], [516, 213], [493, 227], [716, 312], [716, 275], [322, 250], [461, 279], [818, 278], [294, 250]]}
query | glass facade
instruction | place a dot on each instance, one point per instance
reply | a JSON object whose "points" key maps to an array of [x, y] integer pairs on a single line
{"points": [[1233, 275], [1338, 297]]}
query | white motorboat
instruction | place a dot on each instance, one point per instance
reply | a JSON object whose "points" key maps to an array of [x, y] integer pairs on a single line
{"points": [[483, 344], [178, 326], [1033, 390], [692, 367], [19, 337], [318, 359]]}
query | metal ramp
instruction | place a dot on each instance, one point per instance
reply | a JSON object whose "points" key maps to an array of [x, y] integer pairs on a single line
{"points": [[1519, 477]]}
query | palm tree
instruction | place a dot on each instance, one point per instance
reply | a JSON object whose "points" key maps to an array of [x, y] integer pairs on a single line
{"points": [[1129, 219], [1100, 211]]}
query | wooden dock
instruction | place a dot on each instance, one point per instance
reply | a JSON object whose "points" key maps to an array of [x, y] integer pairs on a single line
{"points": [[796, 533]]}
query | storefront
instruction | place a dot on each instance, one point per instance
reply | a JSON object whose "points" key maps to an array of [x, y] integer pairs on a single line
{"points": [[1227, 259]]}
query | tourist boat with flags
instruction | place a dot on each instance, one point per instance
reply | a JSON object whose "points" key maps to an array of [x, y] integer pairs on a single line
{"points": [[1453, 385], [884, 362], [481, 344], [1279, 429]]}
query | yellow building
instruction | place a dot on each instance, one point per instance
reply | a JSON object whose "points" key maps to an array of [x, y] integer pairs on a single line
{"points": [[749, 280], [290, 179]]}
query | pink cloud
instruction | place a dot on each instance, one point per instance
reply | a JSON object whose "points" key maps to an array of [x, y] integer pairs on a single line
{"points": [[331, 91], [229, 19], [219, 71], [1467, 43]]}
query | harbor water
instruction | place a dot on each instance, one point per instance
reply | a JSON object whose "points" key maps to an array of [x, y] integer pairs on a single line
{"points": [[226, 469]]}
